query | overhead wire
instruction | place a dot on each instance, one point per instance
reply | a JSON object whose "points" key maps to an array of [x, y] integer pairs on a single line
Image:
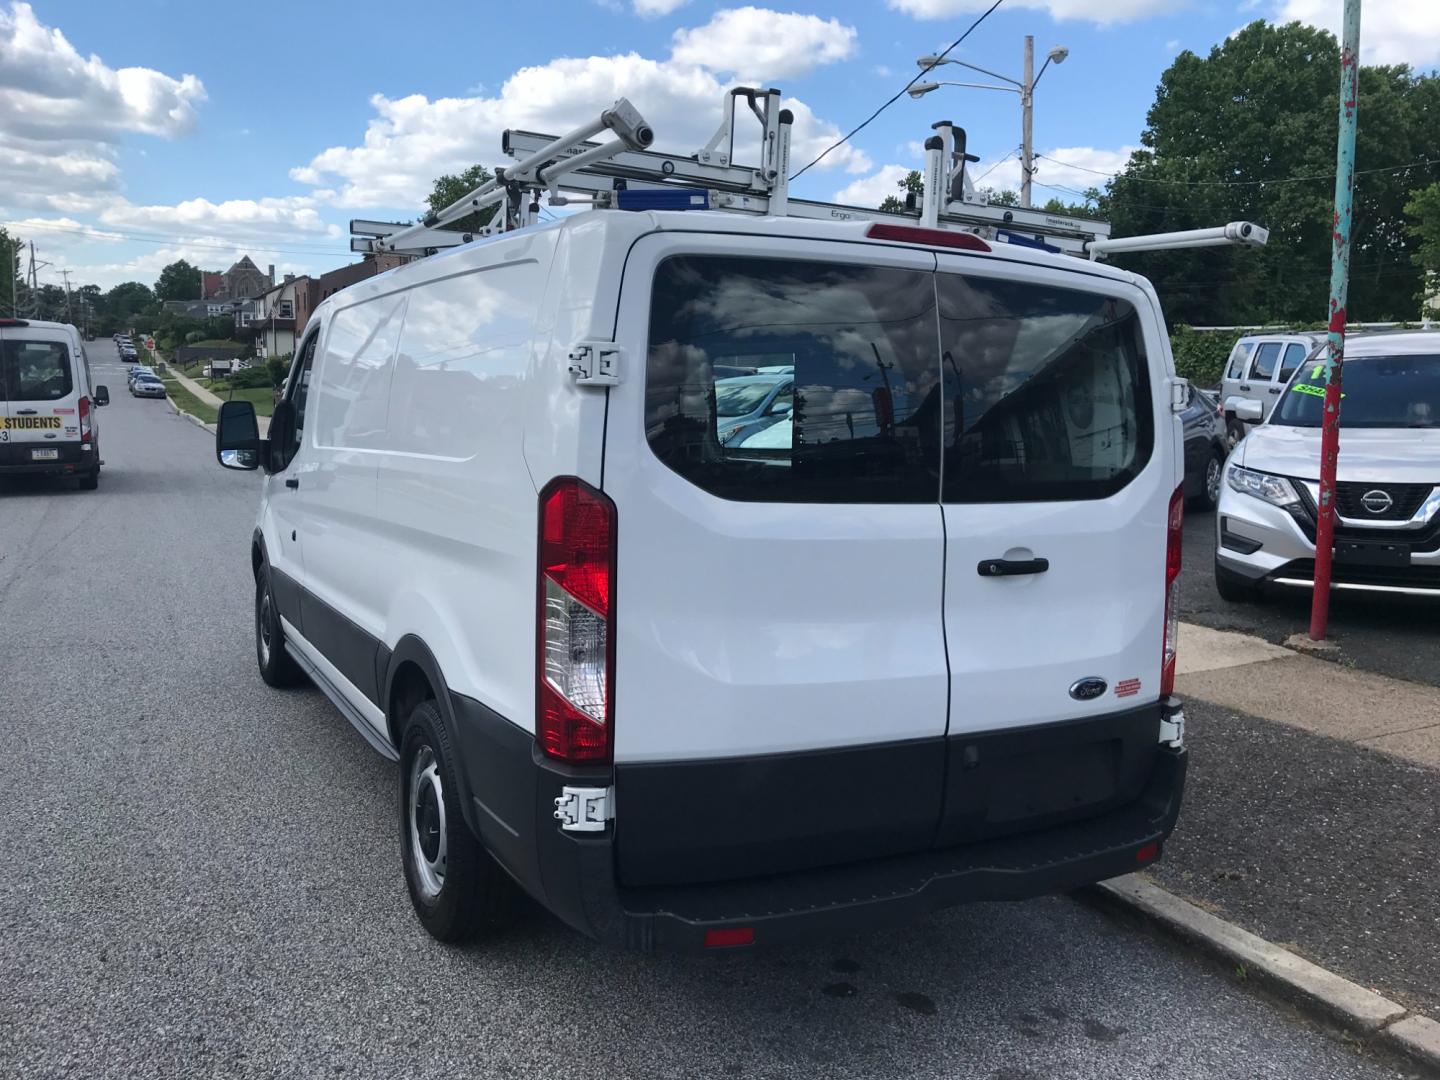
{"points": [[899, 93], [1239, 183]]}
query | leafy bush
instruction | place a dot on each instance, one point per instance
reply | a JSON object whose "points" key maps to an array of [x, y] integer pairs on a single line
{"points": [[250, 377], [1201, 357], [279, 367]]}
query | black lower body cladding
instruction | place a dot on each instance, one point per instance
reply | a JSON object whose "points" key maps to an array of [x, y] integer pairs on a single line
{"points": [[17, 459], [1070, 804]]}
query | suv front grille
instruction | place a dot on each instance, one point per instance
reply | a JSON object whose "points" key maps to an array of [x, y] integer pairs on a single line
{"points": [[1424, 539], [1405, 499]]}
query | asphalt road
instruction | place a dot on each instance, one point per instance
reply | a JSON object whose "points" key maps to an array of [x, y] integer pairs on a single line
{"points": [[199, 876], [1396, 636]]}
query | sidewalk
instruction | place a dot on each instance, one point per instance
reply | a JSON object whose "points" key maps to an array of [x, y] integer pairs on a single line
{"points": [[209, 398], [1312, 812]]}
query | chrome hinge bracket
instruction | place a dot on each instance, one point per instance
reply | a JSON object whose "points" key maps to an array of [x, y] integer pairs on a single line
{"points": [[584, 809], [596, 363], [1172, 729]]}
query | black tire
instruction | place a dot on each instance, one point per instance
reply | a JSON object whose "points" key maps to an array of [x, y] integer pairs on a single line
{"points": [[471, 893], [1208, 498], [1234, 430], [277, 667], [90, 481], [1236, 588]]}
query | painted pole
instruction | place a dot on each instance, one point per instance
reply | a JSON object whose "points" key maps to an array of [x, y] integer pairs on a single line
{"points": [[1339, 292]]}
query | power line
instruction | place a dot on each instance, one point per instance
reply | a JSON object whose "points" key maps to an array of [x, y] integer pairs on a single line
{"points": [[997, 164], [924, 71], [1241, 183]]}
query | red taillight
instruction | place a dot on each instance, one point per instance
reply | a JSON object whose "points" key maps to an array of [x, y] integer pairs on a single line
{"points": [[1174, 539], [910, 234], [576, 657], [729, 937], [84, 413]]}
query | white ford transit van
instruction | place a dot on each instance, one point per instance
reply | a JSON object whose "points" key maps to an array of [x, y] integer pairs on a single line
{"points": [[913, 647], [47, 403]]}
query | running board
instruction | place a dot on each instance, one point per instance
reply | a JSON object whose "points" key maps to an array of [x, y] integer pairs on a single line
{"points": [[358, 722]]}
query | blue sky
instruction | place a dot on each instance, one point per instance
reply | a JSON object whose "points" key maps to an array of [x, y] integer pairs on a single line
{"points": [[133, 134]]}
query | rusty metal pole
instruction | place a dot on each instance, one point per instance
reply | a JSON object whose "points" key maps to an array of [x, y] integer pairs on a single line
{"points": [[1339, 292]]}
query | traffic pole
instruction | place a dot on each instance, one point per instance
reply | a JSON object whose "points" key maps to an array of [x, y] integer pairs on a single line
{"points": [[1339, 292]]}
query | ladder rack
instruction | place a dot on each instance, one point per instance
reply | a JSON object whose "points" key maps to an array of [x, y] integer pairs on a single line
{"points": [[624, 173]]}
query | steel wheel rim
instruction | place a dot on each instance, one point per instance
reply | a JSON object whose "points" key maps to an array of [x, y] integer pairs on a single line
{"points": [[426, 820], [263, 619], [1212, 480]]}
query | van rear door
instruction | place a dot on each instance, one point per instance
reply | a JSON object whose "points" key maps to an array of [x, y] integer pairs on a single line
{"points": [[42, 391], [780, 682], [1059, 465]]}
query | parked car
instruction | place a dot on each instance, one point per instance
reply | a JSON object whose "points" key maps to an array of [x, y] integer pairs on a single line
{"points": [[131, 374], [746, 403], [1387, 529], [147, 386], [1259, 367], [47, 402], [1205, 448], [690, 697]]}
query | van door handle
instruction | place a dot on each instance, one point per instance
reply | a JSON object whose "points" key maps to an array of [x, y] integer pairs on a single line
{"points": [[292, 482], [1275, 389], [1244, 386], [26, 412], [1011, 567]]}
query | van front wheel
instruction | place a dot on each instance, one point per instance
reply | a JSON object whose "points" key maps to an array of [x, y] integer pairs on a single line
{"points": [[457, 889], [277, 667]]}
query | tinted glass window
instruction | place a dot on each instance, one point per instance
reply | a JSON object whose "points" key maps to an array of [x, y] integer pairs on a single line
{"points": [[300, 388], [1047, 393], [462, 357], [36, 370], [356, 365], [1265, 357], [864, 422], [1294, 357], [1377, 392], [1238, 356]]}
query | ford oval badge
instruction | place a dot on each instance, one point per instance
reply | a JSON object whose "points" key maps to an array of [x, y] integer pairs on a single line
{"points": [[1087, 689]]}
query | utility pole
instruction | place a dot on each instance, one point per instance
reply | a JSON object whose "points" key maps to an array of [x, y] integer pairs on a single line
{"points": [[1339, 297], [1027, 142], [69, 311]]}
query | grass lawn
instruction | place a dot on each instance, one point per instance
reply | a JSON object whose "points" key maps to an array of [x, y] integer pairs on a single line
{"points": [[189, 403], [259, 396]]}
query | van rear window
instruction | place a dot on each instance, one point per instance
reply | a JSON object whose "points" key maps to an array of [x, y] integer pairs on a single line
{"points": [[795, 381], [36, 370]]}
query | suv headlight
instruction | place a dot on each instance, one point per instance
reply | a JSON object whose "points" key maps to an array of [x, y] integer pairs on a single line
{"points": [[1275, 490]]}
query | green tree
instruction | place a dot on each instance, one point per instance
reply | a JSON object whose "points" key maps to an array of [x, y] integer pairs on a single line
{"points": [[1248, 133], [451, 188], [12, 291], [912, 184], [127, 300], [178, 281], [1424, 210]]}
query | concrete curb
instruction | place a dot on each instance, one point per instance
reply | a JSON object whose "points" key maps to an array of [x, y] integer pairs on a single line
{"points": [[190, 416], [1362, 1012]]}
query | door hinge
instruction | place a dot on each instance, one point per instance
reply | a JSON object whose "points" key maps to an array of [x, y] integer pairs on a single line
{"points": [[584, 809], [1172, 729], [596, 363]]}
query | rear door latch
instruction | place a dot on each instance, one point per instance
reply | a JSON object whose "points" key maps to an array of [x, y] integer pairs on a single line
{"points": [[596, 363], [583, 809]]}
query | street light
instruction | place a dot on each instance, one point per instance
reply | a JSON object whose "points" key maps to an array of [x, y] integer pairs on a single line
{"points": [[1024, 87]]}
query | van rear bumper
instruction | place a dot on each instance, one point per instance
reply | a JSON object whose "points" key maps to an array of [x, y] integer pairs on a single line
{"points": [[15, 459], [512, 792]]}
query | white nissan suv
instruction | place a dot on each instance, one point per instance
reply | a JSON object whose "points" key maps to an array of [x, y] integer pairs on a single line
{"points": [[1387, 529]]}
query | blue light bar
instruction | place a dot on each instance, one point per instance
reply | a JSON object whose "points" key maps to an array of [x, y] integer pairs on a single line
{"points": [[1005, 236], [663, 199]]}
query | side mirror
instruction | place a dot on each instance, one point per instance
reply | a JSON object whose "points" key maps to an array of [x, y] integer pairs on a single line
{"points": [[1249, 411], [282, 436], [237, 436], [102, 395]]}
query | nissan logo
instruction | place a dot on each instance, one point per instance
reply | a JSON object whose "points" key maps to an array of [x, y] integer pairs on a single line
{"points": [[1087, 689], [1377, 501]]}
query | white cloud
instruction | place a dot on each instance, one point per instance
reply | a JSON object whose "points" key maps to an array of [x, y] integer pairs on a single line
{"points": [[412, 140], [273, 218], [762, 45], [652, 8], [871, 190], [62, 232], [883, 70], [1073, 167], [1096, 11], [62, 114], [1391, 32], [1173, 45]]}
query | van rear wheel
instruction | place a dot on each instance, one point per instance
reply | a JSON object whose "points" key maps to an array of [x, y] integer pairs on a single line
{"points": [[90, 481], [456, 887], [277, 667]]}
